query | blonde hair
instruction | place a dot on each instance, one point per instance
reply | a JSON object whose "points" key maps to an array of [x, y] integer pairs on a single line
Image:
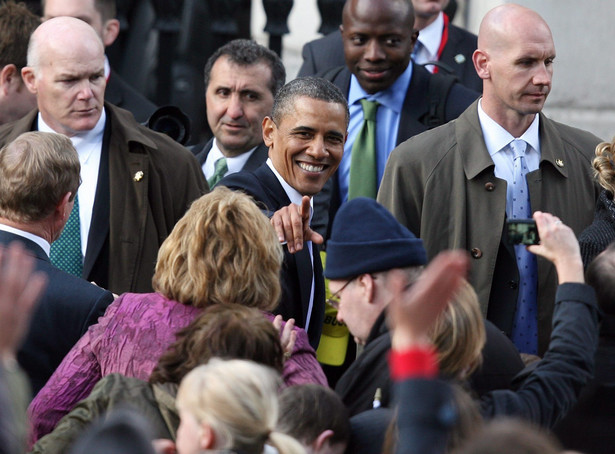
{"points": [[238, 400], [459, 334], [604, 165], [37, 170], [224, 250]]}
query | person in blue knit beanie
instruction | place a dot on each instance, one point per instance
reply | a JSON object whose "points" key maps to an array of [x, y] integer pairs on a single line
{"points": [[366, 243]]}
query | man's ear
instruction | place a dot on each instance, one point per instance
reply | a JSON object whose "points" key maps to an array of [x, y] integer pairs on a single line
{"points": [[9, 78], [480, 59], [366, 281], [111, 29], [29, 78], [63, 208], [321, 439], [269, 128]]}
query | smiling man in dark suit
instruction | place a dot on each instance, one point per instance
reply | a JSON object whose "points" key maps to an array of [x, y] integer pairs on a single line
{"points": [[39, 177], [305, 135], [378, 39], [444, 42], [241, 80]]}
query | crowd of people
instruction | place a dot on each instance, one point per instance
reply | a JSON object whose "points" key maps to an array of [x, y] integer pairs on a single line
{"points": [[331, 272]]}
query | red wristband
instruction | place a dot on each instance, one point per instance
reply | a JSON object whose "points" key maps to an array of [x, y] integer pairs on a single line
{"points": [[413, 363]]}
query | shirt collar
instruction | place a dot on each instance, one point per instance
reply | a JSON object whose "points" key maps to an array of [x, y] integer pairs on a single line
{"points": [[392, 98], [81, 139], [235, 163], [45, 246], [431, 36], [293, 195], [497, 138]]}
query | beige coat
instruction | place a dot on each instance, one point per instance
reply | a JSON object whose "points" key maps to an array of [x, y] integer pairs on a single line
{"points": [[441, 185]]}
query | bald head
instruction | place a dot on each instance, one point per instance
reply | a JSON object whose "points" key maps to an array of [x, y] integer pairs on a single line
{"points": [[66, 72], [508, 23], [515, 60], [62, 35]]}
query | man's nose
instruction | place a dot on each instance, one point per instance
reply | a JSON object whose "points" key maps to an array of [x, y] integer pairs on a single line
{"points": [[235, 107], [373, 51], [318, 148]]}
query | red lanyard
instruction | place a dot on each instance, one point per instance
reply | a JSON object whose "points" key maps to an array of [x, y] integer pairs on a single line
{"points": [[443, 41]]}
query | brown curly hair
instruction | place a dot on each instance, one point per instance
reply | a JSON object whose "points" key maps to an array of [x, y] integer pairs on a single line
{"points": [[228, 331]]}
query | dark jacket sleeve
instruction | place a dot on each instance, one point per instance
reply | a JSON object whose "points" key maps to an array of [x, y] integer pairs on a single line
{"points": [[426, 413], [554, 385]]}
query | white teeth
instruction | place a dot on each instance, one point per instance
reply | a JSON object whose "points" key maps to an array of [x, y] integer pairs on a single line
{"points": [[311, 167]]}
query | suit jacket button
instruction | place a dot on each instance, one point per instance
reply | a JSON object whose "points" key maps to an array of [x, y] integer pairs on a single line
{"points": [[513, 284], [476, 253], [489, 186]]}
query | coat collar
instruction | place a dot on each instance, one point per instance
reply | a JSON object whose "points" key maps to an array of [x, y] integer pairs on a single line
{"points": [[115, 115], [469, 136]]}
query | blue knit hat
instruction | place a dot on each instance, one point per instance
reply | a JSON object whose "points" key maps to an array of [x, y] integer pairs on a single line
{"points": [[366, 238]]}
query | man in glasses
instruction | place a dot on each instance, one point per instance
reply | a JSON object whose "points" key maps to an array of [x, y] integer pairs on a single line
{"points": [[366, 244]]}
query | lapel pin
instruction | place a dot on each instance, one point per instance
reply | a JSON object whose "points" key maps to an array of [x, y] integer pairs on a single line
{"points": [[138, 176], [559, 163], [460, 58]]}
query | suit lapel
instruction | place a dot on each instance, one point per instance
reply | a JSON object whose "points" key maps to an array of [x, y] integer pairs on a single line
{"points": [[113, 94], [201, 156], [257, 158], [99, 227], [302, 258], [415, 105]]}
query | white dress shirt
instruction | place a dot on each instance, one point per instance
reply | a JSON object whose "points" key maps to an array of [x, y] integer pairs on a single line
{"points": [[497, 140], [234, 164], [89, 148], [430, 38], [295, 197]]}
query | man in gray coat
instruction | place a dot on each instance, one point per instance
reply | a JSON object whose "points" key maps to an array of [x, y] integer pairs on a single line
{"points": [[453, 186]]}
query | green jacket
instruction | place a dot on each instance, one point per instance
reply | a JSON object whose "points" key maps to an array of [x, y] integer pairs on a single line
{"points": [[156, 403]]}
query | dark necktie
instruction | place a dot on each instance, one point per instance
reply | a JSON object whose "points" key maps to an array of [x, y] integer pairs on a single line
{"points": [[363, 168], [66, 250]]}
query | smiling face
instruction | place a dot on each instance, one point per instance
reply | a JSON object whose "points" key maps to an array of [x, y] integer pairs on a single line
{"points": [[378, 40], [238, 98], [69, 80], [306, 146]]}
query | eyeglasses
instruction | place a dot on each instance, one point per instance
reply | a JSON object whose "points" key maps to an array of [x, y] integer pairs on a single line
{"points": [[334, 300]]}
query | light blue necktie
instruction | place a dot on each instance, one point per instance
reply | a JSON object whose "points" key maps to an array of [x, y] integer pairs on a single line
{"points": [[525, 325], [66, 250]]}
